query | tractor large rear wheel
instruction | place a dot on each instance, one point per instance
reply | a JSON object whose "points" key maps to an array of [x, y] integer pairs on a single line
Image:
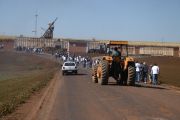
{"points": [[94, 74], [103, 72], [131, 75]]}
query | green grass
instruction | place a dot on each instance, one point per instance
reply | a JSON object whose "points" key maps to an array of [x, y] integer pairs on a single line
{"points": [[20, 76]]}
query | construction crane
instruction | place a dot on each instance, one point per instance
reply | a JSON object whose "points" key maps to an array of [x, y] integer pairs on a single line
{"points": [[49, 32]]}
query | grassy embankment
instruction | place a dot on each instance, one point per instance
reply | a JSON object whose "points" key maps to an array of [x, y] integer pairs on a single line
{"points": [[169, 69], [20, 76]]}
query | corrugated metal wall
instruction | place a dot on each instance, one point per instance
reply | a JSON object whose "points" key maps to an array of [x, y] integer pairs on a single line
{"points": [[157, 51], [131, 50], [34, 42]]}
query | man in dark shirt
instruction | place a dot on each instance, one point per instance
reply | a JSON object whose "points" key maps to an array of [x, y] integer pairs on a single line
{"points": [[115, 67]]}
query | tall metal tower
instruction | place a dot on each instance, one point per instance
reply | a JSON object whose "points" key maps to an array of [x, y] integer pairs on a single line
{"points": [[35, 29]]}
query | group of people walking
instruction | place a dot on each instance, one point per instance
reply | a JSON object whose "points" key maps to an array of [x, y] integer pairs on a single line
{"points": [[147, 73]]}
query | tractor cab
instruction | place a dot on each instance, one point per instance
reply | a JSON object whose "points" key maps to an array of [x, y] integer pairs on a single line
{"points": [[122, 47]]}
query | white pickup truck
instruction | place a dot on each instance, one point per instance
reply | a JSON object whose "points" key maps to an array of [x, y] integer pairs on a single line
{"points": [[69, 67]]}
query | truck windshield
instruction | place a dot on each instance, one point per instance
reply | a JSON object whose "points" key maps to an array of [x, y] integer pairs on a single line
{"points": [[69, 64]]}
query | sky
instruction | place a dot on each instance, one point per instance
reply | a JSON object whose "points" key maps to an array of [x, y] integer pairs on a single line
{"points": [[132, 20]]}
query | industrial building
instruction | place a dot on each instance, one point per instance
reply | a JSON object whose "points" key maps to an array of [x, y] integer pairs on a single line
{"points": [[75, 46]]}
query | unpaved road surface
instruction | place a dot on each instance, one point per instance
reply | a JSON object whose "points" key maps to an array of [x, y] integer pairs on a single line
{"points": [[75, 97]]}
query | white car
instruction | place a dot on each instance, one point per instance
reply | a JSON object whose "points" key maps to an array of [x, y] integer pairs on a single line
{"points": [[69, 67]]}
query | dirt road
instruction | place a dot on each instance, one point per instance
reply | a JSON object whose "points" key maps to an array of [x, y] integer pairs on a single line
{"points": [[75, 97]]}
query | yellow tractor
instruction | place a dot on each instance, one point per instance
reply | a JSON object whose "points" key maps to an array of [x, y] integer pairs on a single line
{"points": [[123, 72]]}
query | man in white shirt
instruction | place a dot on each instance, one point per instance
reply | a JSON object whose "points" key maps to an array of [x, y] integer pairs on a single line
{"points": [[155, 72], [137, 65]]}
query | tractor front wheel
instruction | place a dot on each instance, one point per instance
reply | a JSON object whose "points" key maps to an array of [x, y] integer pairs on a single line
{"points": [[103, 72], [94, 74], [131, 75]]}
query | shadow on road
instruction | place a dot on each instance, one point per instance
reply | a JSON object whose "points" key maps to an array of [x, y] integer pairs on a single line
{"points": [[78, 74], [149, 86], [140, 85]]}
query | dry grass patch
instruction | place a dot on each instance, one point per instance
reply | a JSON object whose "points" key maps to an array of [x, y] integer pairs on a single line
{"points": [[20, 76]]}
